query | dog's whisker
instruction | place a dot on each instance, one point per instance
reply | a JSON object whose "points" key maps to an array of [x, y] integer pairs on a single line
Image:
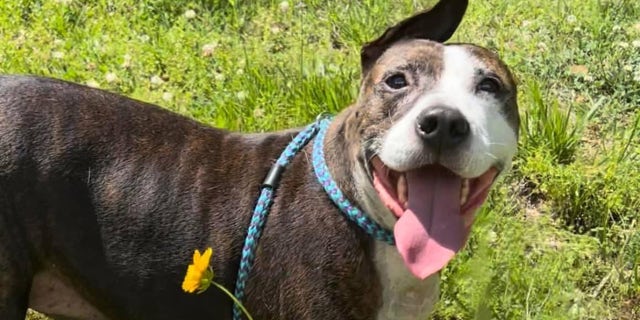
{"points": [[491, 155], [496, 144]]}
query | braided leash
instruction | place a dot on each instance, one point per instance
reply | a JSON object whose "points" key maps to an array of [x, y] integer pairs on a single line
{"points": [[266, 198], [262, 209], [331, 188]]}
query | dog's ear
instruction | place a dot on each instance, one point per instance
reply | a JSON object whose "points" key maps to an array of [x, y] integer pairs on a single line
{"points": [[437, 24]]}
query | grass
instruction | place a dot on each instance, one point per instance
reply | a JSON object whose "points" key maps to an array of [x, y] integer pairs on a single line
{"points": [[560, 237]]}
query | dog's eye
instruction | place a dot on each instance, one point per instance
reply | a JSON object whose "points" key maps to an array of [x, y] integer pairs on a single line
{"points": [[489, 84], [396, 81]]}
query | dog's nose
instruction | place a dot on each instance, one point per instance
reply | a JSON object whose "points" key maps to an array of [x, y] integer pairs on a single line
{"points": [[442, 127]]}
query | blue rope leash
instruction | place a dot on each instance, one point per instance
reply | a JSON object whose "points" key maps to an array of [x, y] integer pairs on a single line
{"points": [[266, 198], [262, 209], [331, 188]]}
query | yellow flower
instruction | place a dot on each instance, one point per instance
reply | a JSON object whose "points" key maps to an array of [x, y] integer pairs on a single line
{"points": [[199, 275]]}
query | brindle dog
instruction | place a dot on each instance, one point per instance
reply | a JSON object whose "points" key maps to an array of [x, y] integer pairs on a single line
{"points": [[103, 198]]}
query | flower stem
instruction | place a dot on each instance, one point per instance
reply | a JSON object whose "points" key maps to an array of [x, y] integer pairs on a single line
{"points": [[233, 298]]}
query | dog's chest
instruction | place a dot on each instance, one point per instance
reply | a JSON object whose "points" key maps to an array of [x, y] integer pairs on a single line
{"points": [[403, 295]]}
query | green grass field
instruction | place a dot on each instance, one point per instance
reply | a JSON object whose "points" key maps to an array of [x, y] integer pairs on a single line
{"points": [[560, 238]]}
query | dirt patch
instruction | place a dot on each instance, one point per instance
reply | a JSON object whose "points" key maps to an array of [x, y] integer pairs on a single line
{"points": [[630, 309]]}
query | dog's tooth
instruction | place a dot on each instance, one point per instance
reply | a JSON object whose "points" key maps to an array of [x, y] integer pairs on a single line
{"points": [[464, 192], [402, 190]]}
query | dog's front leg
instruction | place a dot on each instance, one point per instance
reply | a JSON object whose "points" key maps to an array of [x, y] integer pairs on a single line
{"points": [[14, 278]]}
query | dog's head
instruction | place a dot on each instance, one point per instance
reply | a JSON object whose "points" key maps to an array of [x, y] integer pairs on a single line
{"points": [[435, 125]]}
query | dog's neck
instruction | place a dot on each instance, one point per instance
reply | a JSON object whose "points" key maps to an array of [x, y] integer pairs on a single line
{"points": [[402, 296], [346, 160]]}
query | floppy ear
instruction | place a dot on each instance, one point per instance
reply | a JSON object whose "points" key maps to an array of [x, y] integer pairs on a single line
{"points": [[437, 24]]}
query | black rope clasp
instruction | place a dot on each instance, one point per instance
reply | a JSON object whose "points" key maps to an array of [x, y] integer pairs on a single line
{"points": [[273, 177]]}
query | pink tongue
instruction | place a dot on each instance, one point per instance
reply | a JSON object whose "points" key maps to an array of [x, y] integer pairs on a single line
{"points": [[431, 230]]}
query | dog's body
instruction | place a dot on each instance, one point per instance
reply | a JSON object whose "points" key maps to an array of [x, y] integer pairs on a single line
{"points": [[103, 199]]}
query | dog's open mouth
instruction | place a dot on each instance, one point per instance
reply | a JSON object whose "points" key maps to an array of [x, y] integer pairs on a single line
{"points": [[435, 210]]}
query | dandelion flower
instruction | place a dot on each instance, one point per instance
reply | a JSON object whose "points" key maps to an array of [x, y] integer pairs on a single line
{"points": [[199, 275]]}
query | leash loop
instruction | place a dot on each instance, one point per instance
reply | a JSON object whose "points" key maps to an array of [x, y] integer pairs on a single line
{"points": [[331, 188], [262, 209]]}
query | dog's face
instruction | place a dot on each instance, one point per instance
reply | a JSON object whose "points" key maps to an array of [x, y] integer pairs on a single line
{"points": [[437, 123], [451, 105]]}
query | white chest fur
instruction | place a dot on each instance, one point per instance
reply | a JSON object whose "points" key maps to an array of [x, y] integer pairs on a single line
{"points": [[403, 295]]}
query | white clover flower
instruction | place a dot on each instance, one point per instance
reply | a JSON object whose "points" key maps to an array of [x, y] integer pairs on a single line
{"points": [[93, 84], [492, 236], [258, 113], [284, 6], [189, 14], [126, 61], [622, 44], [111, 77], [57, 54], [571, 19], [219, 77], [542, 46], [156, 80], [207, 49], [167, 96]]}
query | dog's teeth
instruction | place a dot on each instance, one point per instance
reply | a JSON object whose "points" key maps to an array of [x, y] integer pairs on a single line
{"points": [[464, 192], [402, 190]]}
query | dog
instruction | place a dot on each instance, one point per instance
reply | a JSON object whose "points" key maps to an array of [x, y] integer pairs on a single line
{"points": [[103, 198]]}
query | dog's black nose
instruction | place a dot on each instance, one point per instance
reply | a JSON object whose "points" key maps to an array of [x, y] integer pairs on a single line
{"points": [[442, 127]]}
